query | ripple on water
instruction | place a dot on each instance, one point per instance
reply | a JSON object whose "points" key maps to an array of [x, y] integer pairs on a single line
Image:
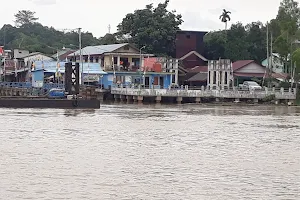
{"points": [[149, 152]]}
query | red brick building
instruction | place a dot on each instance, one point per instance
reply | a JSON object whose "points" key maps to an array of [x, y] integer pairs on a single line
{"points": [[190, 48]]}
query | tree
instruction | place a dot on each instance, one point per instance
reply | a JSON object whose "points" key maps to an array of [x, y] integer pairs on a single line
{"points": [[225, 17], [256, 39], [152, 27], [108, 39], [214, 45], [25, 17], [237, 45], [288, 21]]}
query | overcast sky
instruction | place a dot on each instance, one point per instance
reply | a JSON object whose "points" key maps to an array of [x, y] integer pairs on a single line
{"points": [[95, 15]]}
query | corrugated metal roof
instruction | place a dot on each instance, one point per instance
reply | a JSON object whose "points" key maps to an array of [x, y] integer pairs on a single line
{"points": [[241, 63], [98, 50]]}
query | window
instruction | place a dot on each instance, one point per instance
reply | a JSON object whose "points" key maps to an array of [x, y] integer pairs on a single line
{"points": [[86, 59], [91, 59], [115, 60], [97, 60]]}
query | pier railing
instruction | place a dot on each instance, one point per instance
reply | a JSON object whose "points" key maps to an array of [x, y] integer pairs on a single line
{"points": [[278, 93]]}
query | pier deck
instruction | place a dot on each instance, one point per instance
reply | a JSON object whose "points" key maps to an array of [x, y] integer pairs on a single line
{"points": [[140, 93]]}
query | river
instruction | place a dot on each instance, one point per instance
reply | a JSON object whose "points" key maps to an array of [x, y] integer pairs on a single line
{"points": [[150, 152]]}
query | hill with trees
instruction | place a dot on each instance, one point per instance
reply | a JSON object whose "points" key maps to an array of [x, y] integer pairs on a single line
{"points": [[155, 28]]}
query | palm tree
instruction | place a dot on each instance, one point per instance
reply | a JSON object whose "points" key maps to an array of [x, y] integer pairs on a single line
{"points": [[225, 17]]}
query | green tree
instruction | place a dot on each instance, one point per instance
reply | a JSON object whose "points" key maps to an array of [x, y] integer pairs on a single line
{"points": [[256, 39], [25, 17], [236, 47], [108, 39], [214, 43], [296, 71], [225, 17], [152, 27]]}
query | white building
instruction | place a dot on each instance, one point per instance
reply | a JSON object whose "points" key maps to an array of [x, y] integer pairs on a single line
{"points": [[275, 62]]}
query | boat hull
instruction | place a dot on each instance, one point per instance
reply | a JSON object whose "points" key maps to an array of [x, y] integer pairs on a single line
{"points": [[49, 103]]}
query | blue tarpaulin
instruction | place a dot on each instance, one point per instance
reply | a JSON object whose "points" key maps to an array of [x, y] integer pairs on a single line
{"points": [[50, 66]]}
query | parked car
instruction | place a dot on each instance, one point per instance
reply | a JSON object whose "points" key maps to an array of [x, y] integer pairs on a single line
{"points": [[250, 85]]}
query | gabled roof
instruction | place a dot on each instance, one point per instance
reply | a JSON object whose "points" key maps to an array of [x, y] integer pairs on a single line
{"points": [[201, 76], [98, 50], [199, 69], [31, 54], [240, 64], [195, 53]]}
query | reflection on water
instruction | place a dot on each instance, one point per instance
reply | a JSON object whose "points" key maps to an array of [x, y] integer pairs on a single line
{"points": [[150, 152]]}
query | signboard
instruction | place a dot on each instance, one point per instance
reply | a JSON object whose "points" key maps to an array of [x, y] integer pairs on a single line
{"points": [[91, 78], [38, 78], [110, 77], [37, 84]]}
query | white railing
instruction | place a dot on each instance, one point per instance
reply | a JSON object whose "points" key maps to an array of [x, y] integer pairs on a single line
{"points": [[279, 93]]}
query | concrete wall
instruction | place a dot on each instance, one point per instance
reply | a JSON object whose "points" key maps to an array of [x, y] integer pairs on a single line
{"points": [[232, 94], [18, 53], [38, 57]]}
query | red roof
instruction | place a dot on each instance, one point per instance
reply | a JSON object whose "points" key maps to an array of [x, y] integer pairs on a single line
{"points": [[199, 69], [240, 63], [280, 75]]}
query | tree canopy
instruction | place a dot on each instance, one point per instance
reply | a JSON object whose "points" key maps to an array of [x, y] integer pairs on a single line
{"points": [[152, 27], [36, 37], [250, 41], [225, 17], [25, 17]]}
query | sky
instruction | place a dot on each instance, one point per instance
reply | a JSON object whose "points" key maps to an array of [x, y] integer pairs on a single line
{"points": [[96, 15]]}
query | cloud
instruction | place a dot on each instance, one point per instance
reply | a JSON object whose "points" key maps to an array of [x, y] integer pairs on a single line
{"points": [[196, 22], [44, 2]]}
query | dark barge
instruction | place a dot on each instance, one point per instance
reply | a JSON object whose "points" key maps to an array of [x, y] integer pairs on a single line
{"points": [[20, 102]]}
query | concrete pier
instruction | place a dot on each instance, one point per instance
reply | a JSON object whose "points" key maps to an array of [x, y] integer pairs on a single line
{"points": [[184, 94], [179, 100], [198, 100], [158, 99]]}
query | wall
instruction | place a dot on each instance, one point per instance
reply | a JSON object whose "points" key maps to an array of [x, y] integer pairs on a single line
{"points": [[20, 53], [38, 57], [127, 49], [187, 41], [278, 65], [107, 80]]}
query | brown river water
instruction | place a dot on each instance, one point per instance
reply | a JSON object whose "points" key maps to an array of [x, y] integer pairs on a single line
{"points": [[150, 152]]}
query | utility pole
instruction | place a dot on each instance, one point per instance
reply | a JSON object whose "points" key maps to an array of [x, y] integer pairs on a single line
{"points": [[109, 27], [268, 56], [80, 56]]}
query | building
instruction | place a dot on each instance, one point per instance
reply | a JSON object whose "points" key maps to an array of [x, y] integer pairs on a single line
{"points": [[19, 53], [196, 77], [156, 73], [190, 48], [53, 71], [35, 56], [275, 62], [63, 54], [118, 57]]}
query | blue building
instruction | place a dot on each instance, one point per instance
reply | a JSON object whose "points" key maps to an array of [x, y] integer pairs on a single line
{"points": [[159, 80], [54, 71]]}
